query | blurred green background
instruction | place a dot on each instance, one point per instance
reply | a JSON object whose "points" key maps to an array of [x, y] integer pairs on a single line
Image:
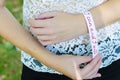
{"points": [[10, 64]]}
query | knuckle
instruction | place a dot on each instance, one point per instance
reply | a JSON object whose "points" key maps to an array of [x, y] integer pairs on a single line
{"points": [[42, 42]]}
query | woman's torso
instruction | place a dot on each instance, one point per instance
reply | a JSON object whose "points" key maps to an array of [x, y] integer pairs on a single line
{"points": [[109, 37]]}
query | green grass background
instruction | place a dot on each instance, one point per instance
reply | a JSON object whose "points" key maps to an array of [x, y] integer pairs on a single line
{"points": [[10, 64]]}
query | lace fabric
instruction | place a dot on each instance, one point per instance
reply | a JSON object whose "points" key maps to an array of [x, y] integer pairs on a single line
{"points": [[109, 37]]}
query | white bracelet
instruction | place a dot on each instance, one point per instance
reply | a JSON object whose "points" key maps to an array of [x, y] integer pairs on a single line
{"points": [[92, 32]]}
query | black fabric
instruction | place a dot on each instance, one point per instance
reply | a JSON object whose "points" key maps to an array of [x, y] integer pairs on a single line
{"points": [[111, 72], [28, 74]]}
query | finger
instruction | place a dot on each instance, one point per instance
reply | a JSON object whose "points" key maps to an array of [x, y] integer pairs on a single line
{"points": [[40, 31], [44, 18], [47, 14], [38, 23], [45, 42], [80, 59], [89, 67], [46, 38], [94, 76], [95, 69], [49, 42]]}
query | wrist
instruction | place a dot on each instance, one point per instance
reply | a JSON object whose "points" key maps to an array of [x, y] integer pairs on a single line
{"points": [[54, 62], [81, 24], [49, 59]]}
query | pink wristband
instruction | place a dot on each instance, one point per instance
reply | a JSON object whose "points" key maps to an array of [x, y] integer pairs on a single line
{"points": [[92, 32]]}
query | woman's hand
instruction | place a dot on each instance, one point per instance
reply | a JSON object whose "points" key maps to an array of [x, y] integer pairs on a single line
{"points": [[54, 27], [69, 66], [2, 3]]}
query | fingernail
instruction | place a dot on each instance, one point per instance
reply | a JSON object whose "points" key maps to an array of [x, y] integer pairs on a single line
{"points": [[99, 75]]}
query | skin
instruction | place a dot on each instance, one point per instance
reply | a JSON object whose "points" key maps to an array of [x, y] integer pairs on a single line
{"points": [[55, 27], [2, 3], [11, 30]]}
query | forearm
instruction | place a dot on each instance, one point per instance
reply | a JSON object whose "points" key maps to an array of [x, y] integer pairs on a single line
{"points": [[103, 15], [106, 13], [11, 30]]}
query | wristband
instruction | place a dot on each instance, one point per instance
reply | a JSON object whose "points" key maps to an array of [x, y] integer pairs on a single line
{"points": [[92, 32]]}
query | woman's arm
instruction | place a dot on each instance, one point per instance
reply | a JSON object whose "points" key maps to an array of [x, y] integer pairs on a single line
{"points": [[106, 13], [11, 30], [60, 26]]}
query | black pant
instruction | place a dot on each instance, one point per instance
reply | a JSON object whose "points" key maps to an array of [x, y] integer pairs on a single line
{"points": [[111, 72], [28, 74]]}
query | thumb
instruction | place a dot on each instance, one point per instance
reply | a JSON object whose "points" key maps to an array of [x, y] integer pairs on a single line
{"points": [[46, 15]]}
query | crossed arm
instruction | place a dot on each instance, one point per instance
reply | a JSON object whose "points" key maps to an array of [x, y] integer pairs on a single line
{"points": [[11, 30], [65, 26]]}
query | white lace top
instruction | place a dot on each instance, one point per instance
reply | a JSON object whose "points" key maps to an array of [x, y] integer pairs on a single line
{"points": [[109, 37]]}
